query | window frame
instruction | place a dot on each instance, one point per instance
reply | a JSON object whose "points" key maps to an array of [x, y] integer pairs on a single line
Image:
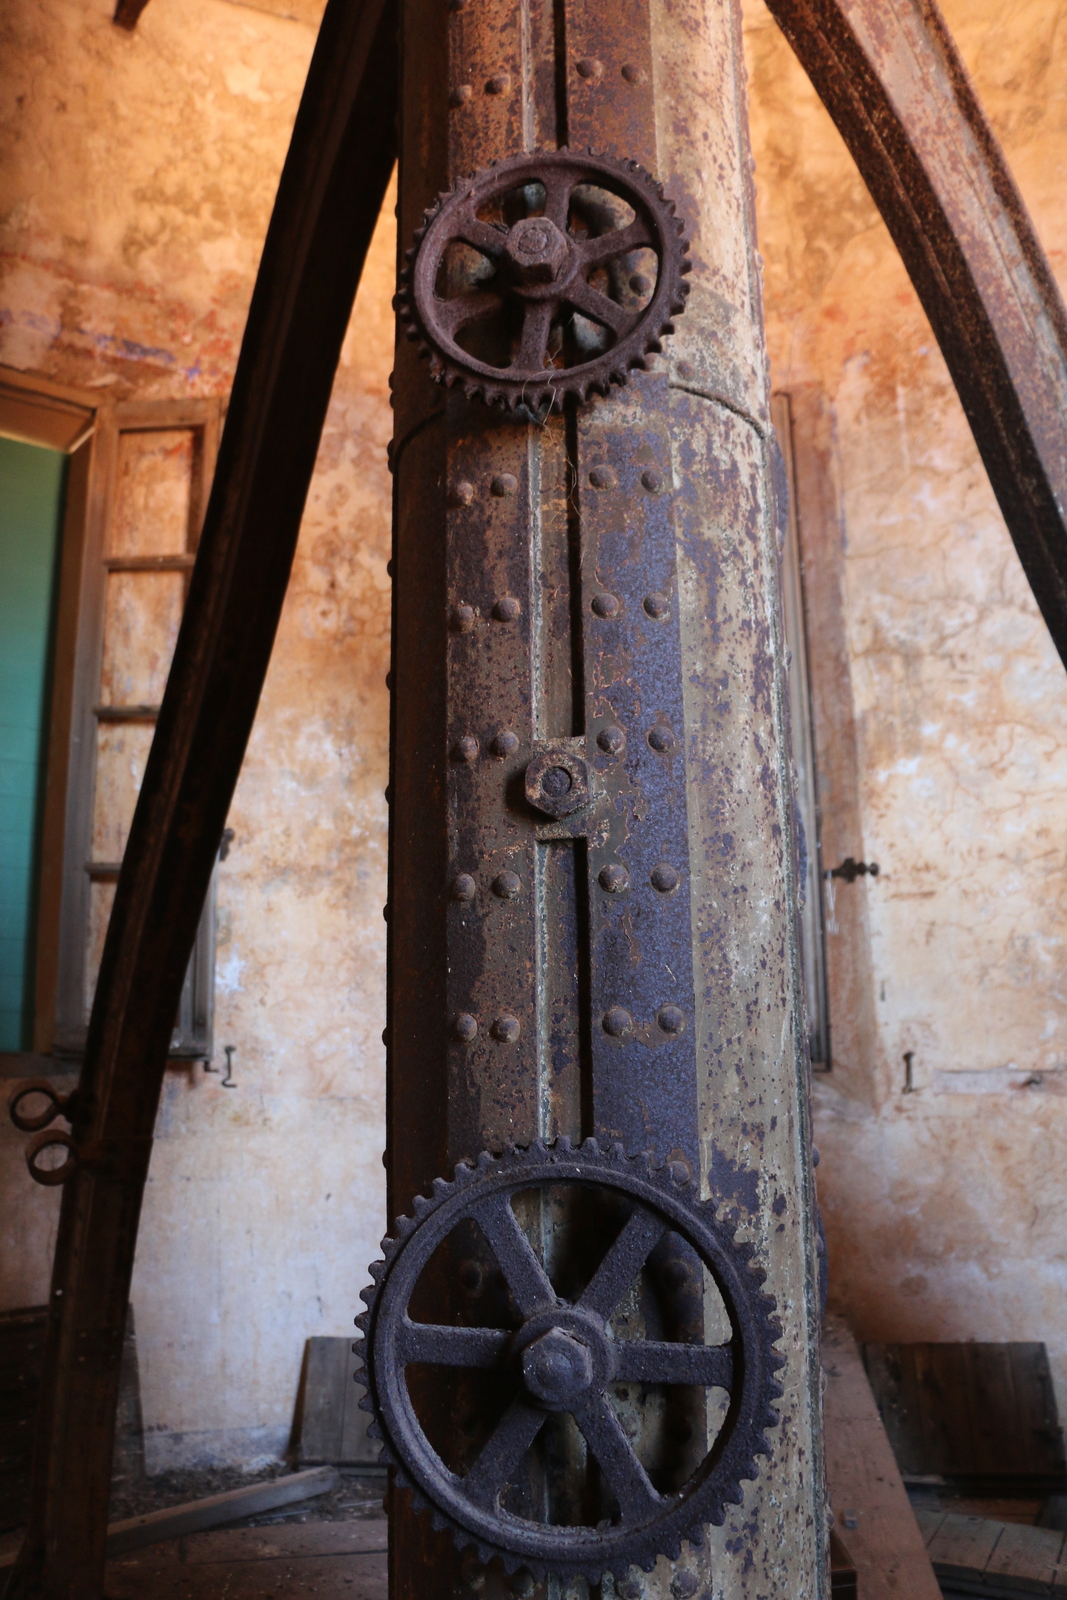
{"points": [[805, 756], [88, 428]]}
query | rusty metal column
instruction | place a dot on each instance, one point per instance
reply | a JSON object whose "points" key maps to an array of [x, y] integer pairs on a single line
{"points": [[592, 872]]}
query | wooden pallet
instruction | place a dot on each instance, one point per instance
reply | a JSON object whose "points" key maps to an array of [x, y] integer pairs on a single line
{"points": [[1000, 1560], [981, 1415]]}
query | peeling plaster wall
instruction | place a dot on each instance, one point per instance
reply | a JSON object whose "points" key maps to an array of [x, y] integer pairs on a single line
{"points": [[946, 1208], [136, 182]]}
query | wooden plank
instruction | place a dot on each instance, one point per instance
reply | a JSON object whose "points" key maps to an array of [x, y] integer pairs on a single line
{"points": [[1029, 1556], [905, 1422], [991, 1398], [171, 1523], [155, 1527], [929, 1521], [333, 1428], [962, 1546], [1036, 1415], [322, 1420], [886, 1544], [361, 1536], [947, 1442]]}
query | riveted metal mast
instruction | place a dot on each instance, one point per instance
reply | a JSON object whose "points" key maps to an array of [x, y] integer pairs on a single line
{"points": [[591, 928]]}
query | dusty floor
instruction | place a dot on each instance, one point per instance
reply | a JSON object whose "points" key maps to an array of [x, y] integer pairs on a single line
{"points": [[313, 1557], [333, 1545]]}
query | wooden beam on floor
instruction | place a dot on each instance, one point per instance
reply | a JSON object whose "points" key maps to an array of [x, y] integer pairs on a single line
{"points": [[155, 1527], [870, 1505]]}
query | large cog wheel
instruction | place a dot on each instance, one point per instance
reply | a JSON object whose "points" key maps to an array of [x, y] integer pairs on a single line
{"points": [[559, 1355], [547, 274]]}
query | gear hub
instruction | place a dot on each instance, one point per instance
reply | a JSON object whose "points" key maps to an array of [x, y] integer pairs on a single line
{"points": [[547, 274], [580, 1352]]}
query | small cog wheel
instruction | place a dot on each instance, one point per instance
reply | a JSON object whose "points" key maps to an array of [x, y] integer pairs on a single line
{"points": [[562, 1349], [547, 274]]}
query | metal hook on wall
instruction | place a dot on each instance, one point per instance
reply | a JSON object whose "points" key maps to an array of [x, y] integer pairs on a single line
{"points": [[228, 1080]]}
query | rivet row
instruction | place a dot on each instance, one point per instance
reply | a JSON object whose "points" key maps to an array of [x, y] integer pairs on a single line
{"points": [[614, 878], [611, 740], [506, 1029], [619, 1024], [463, 618]]}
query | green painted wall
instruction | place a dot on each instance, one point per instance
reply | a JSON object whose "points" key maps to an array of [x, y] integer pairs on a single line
{"points": [[31, 506]]}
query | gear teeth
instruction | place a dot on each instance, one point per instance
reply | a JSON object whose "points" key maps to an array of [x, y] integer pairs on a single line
{"points": [[522, 395], [738, 1463]]}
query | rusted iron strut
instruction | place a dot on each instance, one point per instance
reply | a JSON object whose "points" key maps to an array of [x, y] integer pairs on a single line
{"points": [[329, 199]]}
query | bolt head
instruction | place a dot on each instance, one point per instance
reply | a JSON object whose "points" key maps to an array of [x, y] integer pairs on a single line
{"points": [[505, 743], [557, 783], [506, 1029], [463, 887], [507, 608], [612, 740], [657, 606], [465, 1027], [466, 749], [507, 885], [614, 878], [618, 1022], [671, 1019], [604, 605], [664, 878], [535, 251], [661, 738], [557, 1370]]}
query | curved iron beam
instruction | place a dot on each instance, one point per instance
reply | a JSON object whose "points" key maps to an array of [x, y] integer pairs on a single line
{"points": [[335, 176], [894, 83]]}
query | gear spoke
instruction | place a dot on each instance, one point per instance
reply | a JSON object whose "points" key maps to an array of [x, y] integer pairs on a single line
{"points": [[505, 1448], [480, 235], [627, 1477], [526, 1278], [600, 308], [444, 1346], [533, 346], [619, 242], [653, 1361], [623, 1262], [559, 186], [464, 308]]}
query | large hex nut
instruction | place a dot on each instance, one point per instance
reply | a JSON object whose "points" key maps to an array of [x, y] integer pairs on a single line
{"points": [[557, 783]]}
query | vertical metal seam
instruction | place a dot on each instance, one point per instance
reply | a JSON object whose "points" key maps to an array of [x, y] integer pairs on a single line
{"points": [[803, 1135]]}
